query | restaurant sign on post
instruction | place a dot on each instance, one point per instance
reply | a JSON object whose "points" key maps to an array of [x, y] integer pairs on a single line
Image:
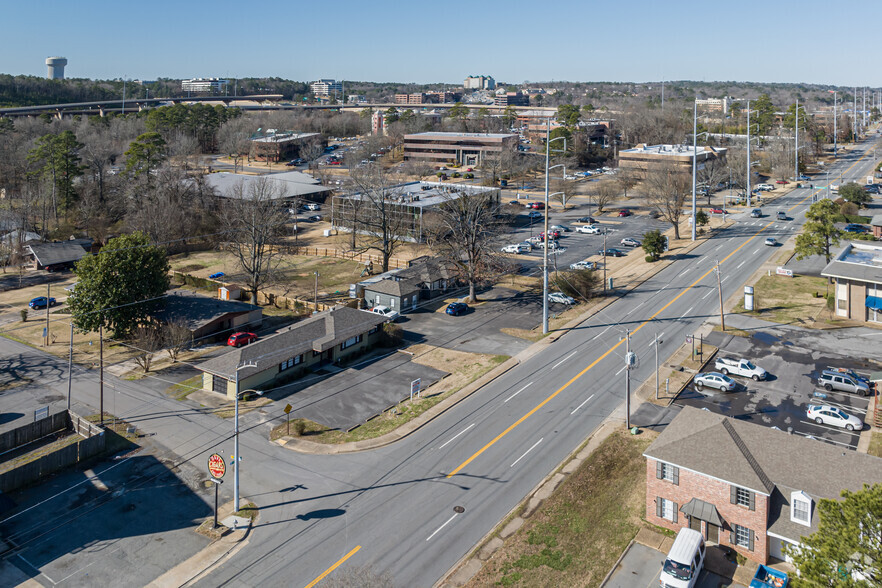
{"points": [[217, 467]]}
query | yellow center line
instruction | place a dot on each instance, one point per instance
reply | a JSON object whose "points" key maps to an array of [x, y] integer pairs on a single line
{"points": [[333, 567], [614, 347], [819, 190]]}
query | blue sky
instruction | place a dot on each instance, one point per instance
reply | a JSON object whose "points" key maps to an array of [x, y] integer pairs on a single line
{"points": [[821, 41]]}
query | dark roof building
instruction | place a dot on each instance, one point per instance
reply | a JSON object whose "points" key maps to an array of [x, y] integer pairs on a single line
{"points": [[56, 255], [207, 317]]}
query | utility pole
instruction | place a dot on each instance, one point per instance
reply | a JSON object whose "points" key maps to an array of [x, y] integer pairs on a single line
{"points": [[101, 370], [315, 292], [796, 141], [70, 365], [695, 158], [604, 259], [545, 242], [720, 289], [748, 154], [627, 379], [656, 365], [48, 286]]}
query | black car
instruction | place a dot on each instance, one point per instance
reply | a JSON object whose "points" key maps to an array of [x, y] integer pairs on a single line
{"points": [[871, 189], [586, 219], [315, 218], [612, 253]]}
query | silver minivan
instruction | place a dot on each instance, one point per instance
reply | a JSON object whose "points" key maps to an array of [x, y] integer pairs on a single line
{"points": [[831, 380]]}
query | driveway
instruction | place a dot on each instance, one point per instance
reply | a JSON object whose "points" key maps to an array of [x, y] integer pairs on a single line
{"points": [[641, 566], [781, 401]]}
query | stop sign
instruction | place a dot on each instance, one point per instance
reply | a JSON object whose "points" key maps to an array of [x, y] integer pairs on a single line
{"points": [[217, 467]]}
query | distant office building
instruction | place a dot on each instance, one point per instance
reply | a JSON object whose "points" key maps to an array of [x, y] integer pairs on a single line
{"points": [[378, 124], [479, 83], [715, 104], [282, 146], [356, 99], [326, 87], [644, 158], [205, 85], [511, 99], [458, 148], [55, 67]]}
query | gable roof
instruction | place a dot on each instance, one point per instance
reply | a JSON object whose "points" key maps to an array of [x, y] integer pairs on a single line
{"points": [[55, 253], [317, 333], [428, 270], [393, 287], [757, 456], [197, 311]]}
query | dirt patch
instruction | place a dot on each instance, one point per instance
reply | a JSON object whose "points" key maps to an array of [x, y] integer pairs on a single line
{"points": [[575, 537]]}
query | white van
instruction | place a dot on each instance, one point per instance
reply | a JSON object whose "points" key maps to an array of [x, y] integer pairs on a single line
{"points": [[684, 561]]}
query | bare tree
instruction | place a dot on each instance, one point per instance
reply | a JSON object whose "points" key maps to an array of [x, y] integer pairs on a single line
{"points": [[146, 340], [234, 138], [711, 174], [463, 230], [176, 338], [667, 186], [382, 223], [254, 219], [604, 193], [626, 179]]}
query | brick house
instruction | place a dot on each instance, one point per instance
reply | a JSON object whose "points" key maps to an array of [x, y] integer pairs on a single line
{"points": [[857, 276], [745, 486]]}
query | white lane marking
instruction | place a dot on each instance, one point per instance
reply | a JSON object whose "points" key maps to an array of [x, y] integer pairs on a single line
{"points": [[526, 452], [709, 292], [36, 568], [683, 272], [564, 359], [652, 343], [818, 438], [639, 305], [442, 526], [581, 405], [740, 264], [831, 428], [687, 312], [757, 251], [516, 393], [457, 435]]}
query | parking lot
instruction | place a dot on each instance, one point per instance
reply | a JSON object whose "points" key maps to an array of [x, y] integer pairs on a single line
{"points": [[642, 565], [781, 400]]}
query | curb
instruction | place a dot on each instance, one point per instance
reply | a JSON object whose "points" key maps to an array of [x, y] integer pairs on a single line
{"points": [[616, 565]]}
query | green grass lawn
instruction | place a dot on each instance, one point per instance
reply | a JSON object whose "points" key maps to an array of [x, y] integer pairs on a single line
{"points": [[782, 299], [875, 444]]}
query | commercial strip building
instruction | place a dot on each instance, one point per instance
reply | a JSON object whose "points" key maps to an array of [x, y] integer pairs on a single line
{"points": [[856, 272], [645, 158], [282, 146], [326, 87], [325, 338], [457, 148], [746, 486], [401, 208], [205, 85]]}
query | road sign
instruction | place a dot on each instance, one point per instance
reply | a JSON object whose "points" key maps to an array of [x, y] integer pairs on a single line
{"points": [[781, 271], [688, 339], [217, 467], [288, 408], [415, 387]]}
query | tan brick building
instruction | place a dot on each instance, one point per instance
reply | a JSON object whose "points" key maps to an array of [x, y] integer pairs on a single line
{"points": [[746, 486], [457, 148], [645, 158], [857, 274]]}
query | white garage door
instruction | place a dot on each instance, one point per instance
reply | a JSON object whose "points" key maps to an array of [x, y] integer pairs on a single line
{"points": [[776, 548]]}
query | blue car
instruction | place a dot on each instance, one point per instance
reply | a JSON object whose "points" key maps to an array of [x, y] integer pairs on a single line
{"points": [[457, 308], [855, 228], [41, 302], [216, 276]]}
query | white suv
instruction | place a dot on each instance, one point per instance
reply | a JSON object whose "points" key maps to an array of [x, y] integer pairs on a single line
{"points": [[588, 229]]}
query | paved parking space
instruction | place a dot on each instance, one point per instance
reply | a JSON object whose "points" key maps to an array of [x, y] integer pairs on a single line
{"points": [[641, 566], [782, 399]]}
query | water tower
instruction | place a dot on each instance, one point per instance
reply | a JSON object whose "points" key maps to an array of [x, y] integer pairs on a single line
{"points": [[55, 67]]}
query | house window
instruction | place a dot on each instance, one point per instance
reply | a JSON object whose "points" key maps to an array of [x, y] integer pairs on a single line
{"points": [[801, 511], [742, 497], [374, 330], [290, 362], [665, 471], [667, 509], [743, 537], [801, 508], [350, 342]]}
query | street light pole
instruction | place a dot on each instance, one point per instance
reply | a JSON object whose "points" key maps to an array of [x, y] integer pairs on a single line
{"points": [[628, 379], [694, 160], [748, 154], [236, 458], [548, 141], [834, 124], [720, 288]]}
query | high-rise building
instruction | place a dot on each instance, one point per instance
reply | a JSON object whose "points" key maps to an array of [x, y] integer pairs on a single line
{"points": [[55, 67], [479, 83], [325, 87]]}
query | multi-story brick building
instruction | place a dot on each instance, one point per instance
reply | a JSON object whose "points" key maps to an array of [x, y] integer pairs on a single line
{"points": [[457, 148], [645, 158], [746, 486], [856, 272]]}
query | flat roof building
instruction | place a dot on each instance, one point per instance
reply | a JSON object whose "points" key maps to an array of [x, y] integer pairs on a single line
{"points": [[457, 148], [289, 186], [479, 83], [644, 158], [282, 146], [511, 99], [205, 85], [857, 274], [326, 87]]}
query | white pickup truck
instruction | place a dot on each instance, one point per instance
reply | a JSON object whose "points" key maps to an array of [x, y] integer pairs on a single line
{"points": [[739, 367]]}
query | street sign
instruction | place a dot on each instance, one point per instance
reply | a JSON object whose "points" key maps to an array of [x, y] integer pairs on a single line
{"points": [[781, 271], [688, 339], [288, 408], [217, 467], [415, 387]]}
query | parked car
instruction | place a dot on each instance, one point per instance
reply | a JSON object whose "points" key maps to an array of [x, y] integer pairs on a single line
{"points": [[781, 215], [554, 234], [624, 212], [583, 265], [739, 367], [41, 302], [535, 214], [871, 188], [718, 211], [313, 206], [714, 380], [783, 182], [765, 187], [831, 380], [241, 338], [846, 371], [457, 308], [803, 178], [586, 219], [561, 298], [629, 242], [561, 228], [855, 228], [216, 276], [524, 247], [612, 253], [756, 213], [831, 415], [771, 241], [315, 218], [537, 205], [387, 312], [588, 229]]}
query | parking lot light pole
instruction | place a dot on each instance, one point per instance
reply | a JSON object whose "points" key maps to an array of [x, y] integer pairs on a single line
{"points": [[236, 457], [796, 140], [548, 141], [834, 123], [694, 159]]}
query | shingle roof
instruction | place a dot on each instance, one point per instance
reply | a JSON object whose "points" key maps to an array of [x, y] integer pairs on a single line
{"points": [[393, 287], [429, 270], [198, 311], [753, 456], [317, 333], [55, 253]]}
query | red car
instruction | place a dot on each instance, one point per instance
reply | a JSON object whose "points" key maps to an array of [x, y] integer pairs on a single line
{"points": [[718, 211], [785, 182], [554, 235], [624, 212], [537, 206], [241, 338]]}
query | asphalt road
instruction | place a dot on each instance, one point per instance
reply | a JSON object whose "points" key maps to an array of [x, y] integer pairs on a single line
{"points": [[416, 507]]}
